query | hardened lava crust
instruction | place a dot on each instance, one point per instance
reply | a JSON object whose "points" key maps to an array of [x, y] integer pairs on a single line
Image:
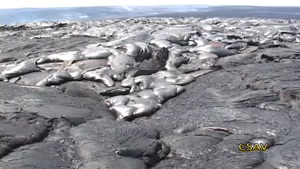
{"points": [[159, 93]]}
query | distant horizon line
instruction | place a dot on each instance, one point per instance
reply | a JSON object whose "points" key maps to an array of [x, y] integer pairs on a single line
{"points": [[149, 6]]}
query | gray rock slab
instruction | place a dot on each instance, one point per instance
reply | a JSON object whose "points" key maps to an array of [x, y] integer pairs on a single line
{"points": [[102, 138], [48, 155], [20, 129], [51, 103]]}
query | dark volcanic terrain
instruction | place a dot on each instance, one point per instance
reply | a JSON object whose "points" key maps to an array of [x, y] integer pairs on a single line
{"points": [[159, 93]]}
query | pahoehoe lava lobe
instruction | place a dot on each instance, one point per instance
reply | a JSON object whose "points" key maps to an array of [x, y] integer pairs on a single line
{"points": [[99, 140], [162, 93]]}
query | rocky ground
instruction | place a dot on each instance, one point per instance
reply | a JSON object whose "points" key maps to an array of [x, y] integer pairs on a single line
{"points": [[196, 89]]}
